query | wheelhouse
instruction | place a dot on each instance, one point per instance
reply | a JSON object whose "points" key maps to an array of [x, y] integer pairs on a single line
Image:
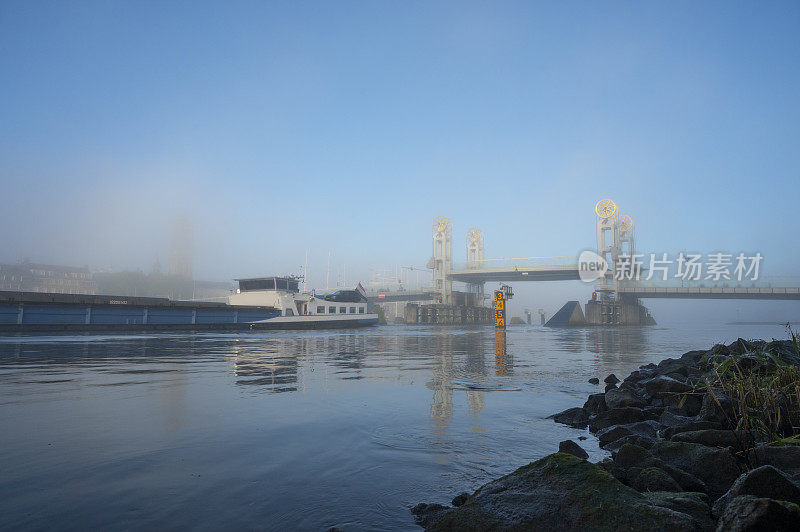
{"points": [[258, 284]]}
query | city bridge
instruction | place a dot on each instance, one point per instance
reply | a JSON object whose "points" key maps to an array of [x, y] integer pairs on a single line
{"points": [[615, 298]]}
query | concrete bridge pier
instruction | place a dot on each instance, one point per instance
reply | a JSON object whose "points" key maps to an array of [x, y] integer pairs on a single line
{"points": [[622, 311]]}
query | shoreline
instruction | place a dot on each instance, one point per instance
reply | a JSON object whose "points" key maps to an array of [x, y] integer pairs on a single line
{"points": [[688, 452]]}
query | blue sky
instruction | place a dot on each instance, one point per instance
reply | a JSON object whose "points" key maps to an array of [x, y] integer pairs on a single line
{"points": [[262, 120]]}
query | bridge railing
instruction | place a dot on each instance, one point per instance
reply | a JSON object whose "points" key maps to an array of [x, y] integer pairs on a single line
{"points": [[518, 263], [762, 282], [399, 290]]}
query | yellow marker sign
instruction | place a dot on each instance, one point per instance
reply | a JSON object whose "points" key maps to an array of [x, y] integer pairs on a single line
{"points": [[499, 310]]}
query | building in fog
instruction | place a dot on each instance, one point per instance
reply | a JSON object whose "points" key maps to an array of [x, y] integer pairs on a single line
{"points": [[33, 277], [181, 248]]}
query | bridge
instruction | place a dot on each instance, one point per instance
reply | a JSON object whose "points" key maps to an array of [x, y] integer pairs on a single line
{"points": [[615, 240], [711, 292], [518, 269], [395, 296]]}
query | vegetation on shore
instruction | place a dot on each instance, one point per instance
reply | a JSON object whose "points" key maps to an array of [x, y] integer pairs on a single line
{"points": [[763, 385]]}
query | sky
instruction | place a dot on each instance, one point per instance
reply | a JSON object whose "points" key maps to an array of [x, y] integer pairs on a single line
{"points": [[344, 128]]}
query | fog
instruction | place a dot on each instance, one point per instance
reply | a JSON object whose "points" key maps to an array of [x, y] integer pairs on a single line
{"points": [[297, 131]]}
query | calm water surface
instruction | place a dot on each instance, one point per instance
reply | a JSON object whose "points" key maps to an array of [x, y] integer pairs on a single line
{"points": [[292, 430]]}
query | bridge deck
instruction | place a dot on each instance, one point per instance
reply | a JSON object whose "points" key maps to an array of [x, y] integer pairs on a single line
{"points": [[514, 273], [712, 292], [392, 296]]}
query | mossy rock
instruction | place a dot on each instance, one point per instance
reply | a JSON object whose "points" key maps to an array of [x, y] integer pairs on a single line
{"points": [[654, 479], [560, 492]]}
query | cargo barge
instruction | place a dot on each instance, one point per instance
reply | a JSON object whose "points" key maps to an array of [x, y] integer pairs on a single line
{"points": [[36, 311], [258, 304]]}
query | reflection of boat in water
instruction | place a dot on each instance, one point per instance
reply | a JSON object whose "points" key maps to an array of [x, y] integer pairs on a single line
{"points": [[303, 310], [261, 303]]}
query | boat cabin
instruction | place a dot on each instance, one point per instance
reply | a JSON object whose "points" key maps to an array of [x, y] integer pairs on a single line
{"points": [[289, 284], [284, 293]]}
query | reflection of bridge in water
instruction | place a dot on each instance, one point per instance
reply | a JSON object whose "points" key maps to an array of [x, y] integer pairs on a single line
{"points": [[616, 292]]}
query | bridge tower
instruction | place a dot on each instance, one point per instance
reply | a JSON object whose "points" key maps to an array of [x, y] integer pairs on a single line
{"points": [[442, 259], [475, 261], [624, 235], [607, 248], [614, 239], [474, 248]]}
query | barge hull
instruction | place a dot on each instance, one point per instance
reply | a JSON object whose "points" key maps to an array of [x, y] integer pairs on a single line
{"points": [[42, 312]]}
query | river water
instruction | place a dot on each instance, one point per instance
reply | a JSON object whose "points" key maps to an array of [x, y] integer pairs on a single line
{"points": [[288, 430]]}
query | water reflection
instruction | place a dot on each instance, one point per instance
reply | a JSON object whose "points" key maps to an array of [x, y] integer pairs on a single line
{"points": [[283, 428]]}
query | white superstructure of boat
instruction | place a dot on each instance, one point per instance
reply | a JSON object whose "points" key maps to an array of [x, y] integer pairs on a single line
{"points": [[301, 310]]}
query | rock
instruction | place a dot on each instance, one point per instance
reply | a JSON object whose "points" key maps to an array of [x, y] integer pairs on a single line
{"points": [[647, 429], [641, 441], [786, 458], [622, 397], [460, 499], [675, 366], [631, 456], [686, 481], [738, 439], [611, 379], [688, 404], [641, 374], [594, 380], [616, 416], [693, 504], [741, 346], [663, 384], [675, 423], [653, 412], [560, 492], [610, 386], [595, 404], [716, 406], [764, 481], [752, 513], [654, 479], [618, 473], [426, 514], [575, 417], [570, 447], [582, 438], [717, 468]]}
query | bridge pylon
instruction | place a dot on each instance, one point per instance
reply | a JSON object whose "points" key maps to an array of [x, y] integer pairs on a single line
{"points": [[475, 261], [614, 240], [442, 261]]}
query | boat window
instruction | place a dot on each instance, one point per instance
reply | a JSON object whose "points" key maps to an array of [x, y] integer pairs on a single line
{"points": [[257, 284], [283, 284], [352, 310], [342, 310], [331, 310], [361, 310], [289, 312], [293, 286], [320, 310]]}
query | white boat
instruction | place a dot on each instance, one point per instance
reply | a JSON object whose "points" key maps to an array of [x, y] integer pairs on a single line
{"points": [[304, 310]]}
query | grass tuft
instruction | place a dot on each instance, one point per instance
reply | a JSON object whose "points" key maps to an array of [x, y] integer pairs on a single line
{"points": [[764, 387]]}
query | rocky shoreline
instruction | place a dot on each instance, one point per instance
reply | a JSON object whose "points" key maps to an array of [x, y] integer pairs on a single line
{"points": [[680, 459]]}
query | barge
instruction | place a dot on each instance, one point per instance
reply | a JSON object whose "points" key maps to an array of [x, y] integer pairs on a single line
{"points": [[258, 304], [37, 311]]}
